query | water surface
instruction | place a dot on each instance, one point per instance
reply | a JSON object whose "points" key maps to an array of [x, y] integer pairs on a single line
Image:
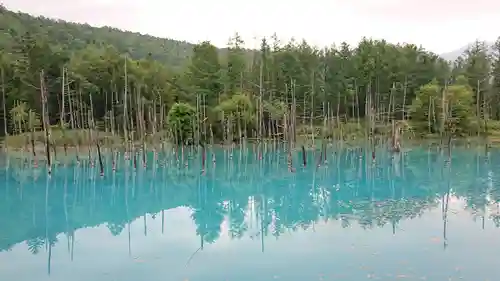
{"points": [[416, 216]]}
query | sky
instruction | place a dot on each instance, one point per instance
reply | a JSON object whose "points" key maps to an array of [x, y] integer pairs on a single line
{"points": [[438, 25]]}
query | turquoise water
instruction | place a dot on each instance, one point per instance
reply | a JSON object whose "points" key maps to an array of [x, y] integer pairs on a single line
{"points": [[416, 216]]}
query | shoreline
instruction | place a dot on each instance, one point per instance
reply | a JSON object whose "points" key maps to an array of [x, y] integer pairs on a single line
{"points": [[83, 150]]}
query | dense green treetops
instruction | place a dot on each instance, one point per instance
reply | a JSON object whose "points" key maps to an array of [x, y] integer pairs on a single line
{"points": [[235, 91]]}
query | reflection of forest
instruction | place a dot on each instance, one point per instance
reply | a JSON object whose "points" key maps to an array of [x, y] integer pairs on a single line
{"points": [[36, 209]]}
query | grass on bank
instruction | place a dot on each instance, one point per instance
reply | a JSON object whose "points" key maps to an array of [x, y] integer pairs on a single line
{"points": [[350, 134]]}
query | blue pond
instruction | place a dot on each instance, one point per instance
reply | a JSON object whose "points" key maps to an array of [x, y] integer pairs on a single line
{"points": [[418, 215]]}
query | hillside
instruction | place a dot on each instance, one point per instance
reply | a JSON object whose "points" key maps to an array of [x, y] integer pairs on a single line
{"points": [[76, 36], [453, 55]]}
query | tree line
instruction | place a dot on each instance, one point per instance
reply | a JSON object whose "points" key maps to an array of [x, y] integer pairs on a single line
{"points": [[281, 90]]}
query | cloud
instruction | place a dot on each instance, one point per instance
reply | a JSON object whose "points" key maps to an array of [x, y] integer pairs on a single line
{"points": [[438, 25], [428, 10]]}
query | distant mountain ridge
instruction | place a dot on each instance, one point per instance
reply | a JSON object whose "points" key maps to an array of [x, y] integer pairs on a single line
{"points": [[453, 55], [173, 53], [76, 36]]}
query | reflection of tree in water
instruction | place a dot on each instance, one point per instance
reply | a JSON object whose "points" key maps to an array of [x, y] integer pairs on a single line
{"points": [[208, 212], [495, 205], [473, 185], [365, 218], [208, 220], [476, 198], [292, 208], [495, 217], [52, 239], [35, 244], [236, 212], [345, 223], [348, 191], [115, 229]]}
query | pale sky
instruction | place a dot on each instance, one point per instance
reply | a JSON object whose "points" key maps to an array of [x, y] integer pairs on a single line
{"points": [[437, 25]]}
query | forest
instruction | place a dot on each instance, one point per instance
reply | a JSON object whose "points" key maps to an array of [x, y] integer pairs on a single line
{"points": [[60, 79], [61, 76]]}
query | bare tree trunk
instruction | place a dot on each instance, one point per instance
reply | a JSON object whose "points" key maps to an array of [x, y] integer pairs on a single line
{"points": [[404, 97], [45, 121], [92, 121], [62, 118], [311, 121], [125, 92], [357, 103], [4, 101], [72, 120]]}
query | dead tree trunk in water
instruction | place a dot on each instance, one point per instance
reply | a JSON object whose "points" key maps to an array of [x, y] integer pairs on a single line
{"points": [[125, 117], [2, 70], [45, 121]]}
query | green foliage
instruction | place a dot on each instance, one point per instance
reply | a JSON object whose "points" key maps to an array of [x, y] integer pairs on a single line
{"points": [[234, 74], [73, 37], [444, 109], [239, 107], [459, 103], [247, 85], [181, 122], [203, 74], [19, 115], [495, 80], [424, 106]]}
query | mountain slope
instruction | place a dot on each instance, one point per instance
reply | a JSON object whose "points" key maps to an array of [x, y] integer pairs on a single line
{"points": [[76, 36], [453, 55]]}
